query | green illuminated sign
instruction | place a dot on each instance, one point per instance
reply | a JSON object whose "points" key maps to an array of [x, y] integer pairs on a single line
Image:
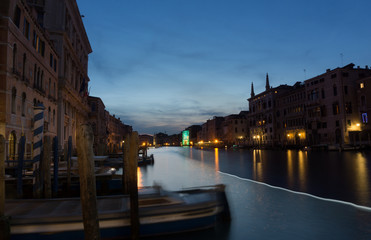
{"points": [[185, 138]]}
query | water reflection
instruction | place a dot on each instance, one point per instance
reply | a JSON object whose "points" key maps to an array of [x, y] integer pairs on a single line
{"points": [[361, 182], [257, 165], [216, 159], [290, 169], [303, 170], [139, 177]]}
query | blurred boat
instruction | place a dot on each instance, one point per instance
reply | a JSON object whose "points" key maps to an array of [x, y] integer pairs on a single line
{"points": [[161, 212]]}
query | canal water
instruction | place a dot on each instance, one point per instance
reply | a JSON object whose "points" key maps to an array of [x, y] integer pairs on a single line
{"points": [[274, 194]]}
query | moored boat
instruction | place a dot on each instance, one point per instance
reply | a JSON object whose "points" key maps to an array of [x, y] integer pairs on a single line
{"points": [[160, 211]]}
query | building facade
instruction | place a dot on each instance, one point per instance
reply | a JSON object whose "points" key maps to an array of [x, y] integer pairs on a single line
{"points": [[116, 131], [235, 129], [262, 115], [331, 105], [290, 124], [63, 21], [27, 75], [98, 121]]}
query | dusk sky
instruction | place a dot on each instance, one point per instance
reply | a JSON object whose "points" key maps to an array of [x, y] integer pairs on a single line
{"points": [[163, 65]]}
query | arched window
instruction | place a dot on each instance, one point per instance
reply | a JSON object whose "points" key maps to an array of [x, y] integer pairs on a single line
{"points": [[38, 79], [14, 96], [14, 57], [12, 145], [24, 66], [54, 117], [23, 109], [42, 80], [34, 75], [49, 113], [50, 87]]}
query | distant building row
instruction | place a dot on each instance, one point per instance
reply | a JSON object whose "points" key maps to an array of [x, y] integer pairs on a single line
{"points": [[44, 60], [331, 108]]}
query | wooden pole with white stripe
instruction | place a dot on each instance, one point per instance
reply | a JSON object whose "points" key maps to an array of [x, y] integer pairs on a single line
{"points": [[37, 148]]}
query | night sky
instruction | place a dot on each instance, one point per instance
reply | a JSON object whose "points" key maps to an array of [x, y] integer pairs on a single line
{"points": [[163, 65]]}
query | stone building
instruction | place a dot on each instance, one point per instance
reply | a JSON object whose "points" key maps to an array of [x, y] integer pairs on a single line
{"points": [[290, 116], [98, 121], [62, 19], [332, 103], [117, 131], [235, 129], [262, 117], [363, 136], [28, 74], [193, 131]]}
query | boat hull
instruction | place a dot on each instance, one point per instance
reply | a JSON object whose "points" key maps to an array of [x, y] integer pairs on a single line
{"points": [[160, 213]]}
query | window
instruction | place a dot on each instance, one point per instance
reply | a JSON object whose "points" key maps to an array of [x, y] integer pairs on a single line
{"points": [[363, 101], [364, 117], [345, 89], [14, 57], [335, 90], [14, 95], [333, 75], [361, 85], [35, 39], [17, 16], [49, 114], [50, 87], [349, 123], [51, 60], [12, 145], [42, 48], [335, 108], [24, 66], [323, 93], [26, 29], [337, 123], [55, 65], [314, 94], [23, 108], [348, 107]]}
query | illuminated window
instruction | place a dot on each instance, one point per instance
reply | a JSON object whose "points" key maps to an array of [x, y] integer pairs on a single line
{"points": [[364, 118], [361, 85]]}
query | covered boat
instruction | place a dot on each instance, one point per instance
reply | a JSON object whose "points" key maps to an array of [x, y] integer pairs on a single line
{"points": [[160, 211]]}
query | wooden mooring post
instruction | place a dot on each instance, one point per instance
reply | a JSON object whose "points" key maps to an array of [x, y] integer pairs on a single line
{"points": [[21, 148], [4, 221], [45, 168], [130, 183], [85, 139], [55, 160]]}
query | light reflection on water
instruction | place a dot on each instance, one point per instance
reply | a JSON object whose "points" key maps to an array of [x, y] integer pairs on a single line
{"points": [[260, 211]]}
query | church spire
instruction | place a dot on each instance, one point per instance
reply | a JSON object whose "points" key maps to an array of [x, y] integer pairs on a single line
{"points": [[267, 87], [252, 90]]}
